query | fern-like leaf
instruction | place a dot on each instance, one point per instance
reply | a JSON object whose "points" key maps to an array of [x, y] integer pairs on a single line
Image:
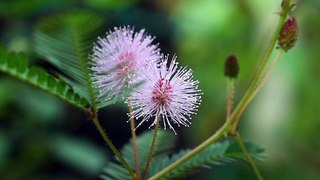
{"points": [[17, 66], [66, 40], [165, 143], [217, 154]]}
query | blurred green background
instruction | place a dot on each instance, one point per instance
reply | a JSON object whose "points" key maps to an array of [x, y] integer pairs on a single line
{"points": [[41, 137]]}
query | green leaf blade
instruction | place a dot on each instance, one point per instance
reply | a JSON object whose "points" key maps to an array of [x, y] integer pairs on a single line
{"points": [[17, 66], [217, 154]]}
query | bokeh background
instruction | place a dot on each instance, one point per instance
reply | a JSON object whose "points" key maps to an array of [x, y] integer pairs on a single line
{"points": [[42, 137]]}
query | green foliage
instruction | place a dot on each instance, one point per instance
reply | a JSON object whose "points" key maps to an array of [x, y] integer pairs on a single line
{"points": [[78, 153], [217, 154], [17, 66], [66, 40], [165, 142]]}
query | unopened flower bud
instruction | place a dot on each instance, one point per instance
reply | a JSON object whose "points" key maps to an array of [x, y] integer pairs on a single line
{"points": [[231, 67], [288, 34]]}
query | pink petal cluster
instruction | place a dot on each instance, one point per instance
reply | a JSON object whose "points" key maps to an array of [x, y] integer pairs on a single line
{"points": [[168, 92], [124, 58], [118, 58]]}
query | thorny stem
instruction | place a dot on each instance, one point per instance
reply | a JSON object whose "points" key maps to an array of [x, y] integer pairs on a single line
{"points": [[135, 147], [230, 87], [111, 146], [226, 127], [248, 157], [152, 148], [230, 90]]}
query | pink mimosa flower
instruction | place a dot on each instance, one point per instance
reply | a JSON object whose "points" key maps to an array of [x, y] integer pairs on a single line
{"points": [[118, 58], [168, 92]]}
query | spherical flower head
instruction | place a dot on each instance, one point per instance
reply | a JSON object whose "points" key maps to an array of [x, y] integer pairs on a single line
{"points": [[168, 92], [118, 58]]}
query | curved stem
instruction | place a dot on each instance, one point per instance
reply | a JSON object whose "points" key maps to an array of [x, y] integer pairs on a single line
{"points": [[152, 148], [248, 157], [227, 126], [260, 84], [263, 63], [268, 52], [215, 137], [135, 146], [112, 147], [266, 74]]}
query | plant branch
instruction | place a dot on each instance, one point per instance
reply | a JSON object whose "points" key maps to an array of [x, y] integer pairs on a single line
{"points": [[152, 148], [135, 146], [261, 67], [248, 157], [227, 126], [112, 147], [268, 52], [260, 84]]}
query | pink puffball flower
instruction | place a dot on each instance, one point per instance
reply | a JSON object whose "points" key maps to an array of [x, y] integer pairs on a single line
{"points": [[118, 58], [168, 92]]}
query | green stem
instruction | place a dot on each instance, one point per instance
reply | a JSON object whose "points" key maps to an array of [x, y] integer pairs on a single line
{"points": [[152, 148], [261, 67], [267, 54], [248, 157], [135, 146], [112, 147], [215, 137], [261, 83], [226, 127]]}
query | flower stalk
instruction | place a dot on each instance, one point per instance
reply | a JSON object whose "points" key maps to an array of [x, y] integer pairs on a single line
{"points": [[230, 88], [135, 146], [231, 71], [152, 148], [111, 146]]}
